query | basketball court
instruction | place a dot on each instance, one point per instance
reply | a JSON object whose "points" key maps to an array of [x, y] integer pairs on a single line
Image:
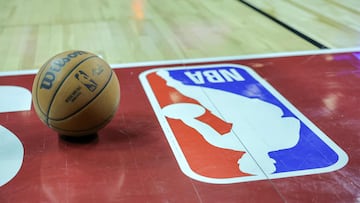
{"points": [[205, 115]]}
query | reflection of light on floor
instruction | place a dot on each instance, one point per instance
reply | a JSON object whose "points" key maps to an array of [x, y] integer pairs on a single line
{"points": [[257, 65], [195, 32], [348, 59], [357, 55], [330, 101], [329, 58], [175, 97], [137, 7]]}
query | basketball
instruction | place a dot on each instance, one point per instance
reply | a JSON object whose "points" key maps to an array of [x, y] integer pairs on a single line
{"points": [[76, 93]]}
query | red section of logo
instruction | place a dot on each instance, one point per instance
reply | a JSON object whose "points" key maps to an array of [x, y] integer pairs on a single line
{"points": [[202, 157]]}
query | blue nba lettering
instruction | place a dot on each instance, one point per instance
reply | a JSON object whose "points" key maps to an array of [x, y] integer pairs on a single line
{"points": [[214, 76]]}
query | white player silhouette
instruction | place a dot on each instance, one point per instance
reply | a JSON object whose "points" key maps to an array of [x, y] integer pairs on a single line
{"points": [[258, 127]]}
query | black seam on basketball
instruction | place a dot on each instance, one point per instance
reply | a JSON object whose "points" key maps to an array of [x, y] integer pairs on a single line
{"points": [[85, 105], [37, 86], [62, 82], [89, 129]]}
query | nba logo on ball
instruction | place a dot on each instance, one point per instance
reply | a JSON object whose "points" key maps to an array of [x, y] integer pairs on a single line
{"points": [[76, 93], [225, 124]]}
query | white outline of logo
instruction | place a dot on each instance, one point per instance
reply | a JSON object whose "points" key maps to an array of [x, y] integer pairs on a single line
{"points": [[180, 157]]}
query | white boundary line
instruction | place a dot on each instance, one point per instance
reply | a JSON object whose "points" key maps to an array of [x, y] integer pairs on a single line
{"points": [[210, 59]]}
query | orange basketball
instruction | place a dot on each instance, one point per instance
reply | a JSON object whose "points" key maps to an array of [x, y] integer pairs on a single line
{"points": [[76, 93]]}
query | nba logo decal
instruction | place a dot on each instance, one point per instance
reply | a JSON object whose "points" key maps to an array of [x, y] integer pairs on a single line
{"points": [[225, 124]]}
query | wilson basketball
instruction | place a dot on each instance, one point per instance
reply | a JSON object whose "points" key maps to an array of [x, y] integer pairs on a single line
{"points": [[76, 93]]}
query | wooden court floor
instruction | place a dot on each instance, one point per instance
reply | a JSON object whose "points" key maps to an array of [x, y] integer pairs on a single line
{"points": [[153, 30]]}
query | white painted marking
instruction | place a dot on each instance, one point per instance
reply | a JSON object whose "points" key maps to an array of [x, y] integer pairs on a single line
{"points": [[14, 98], [11, 155]]}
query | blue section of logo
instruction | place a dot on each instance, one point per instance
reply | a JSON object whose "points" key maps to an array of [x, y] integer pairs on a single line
{"points": [[310, 152]]}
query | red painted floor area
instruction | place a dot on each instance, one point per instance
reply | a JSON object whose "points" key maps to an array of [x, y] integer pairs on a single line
{"points": [[132, 161]]}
